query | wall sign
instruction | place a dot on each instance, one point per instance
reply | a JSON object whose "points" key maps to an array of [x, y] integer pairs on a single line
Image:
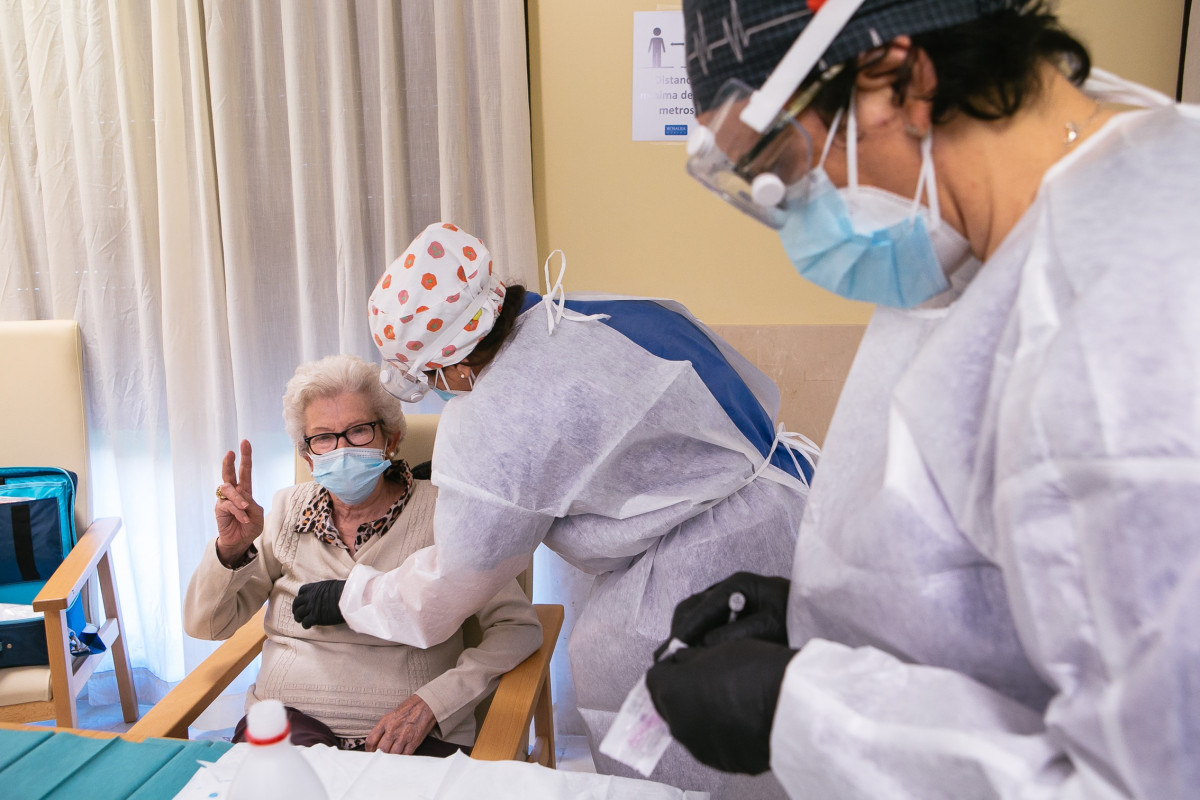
{"points": [[662, 94]]}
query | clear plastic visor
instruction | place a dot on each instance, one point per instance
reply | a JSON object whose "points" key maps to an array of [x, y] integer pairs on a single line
{"points": [[751, 171]]}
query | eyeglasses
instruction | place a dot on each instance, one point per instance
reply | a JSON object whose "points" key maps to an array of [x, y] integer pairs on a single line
{"points": [[754, 171], [356, 436]]}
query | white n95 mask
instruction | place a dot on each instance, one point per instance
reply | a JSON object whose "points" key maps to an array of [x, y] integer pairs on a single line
{"points": [[868, 244]]}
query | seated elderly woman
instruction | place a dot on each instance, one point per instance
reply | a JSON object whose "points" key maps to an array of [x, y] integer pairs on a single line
{"points": [[343, 688]]}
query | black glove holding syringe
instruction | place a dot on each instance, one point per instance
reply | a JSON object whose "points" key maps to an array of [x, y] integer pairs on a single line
{"points": [[716, 683], [639, 735]]}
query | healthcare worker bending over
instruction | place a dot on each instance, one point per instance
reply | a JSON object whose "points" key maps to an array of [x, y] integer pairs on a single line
{"points": [[996, 590], [623, 433]]}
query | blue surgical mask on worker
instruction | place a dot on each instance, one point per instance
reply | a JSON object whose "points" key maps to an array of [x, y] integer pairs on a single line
{"points": [[350, 473], [450, 394], [868, 244]]}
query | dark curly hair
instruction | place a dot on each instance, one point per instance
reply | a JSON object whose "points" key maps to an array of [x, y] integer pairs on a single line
{"points": [[514, 298], [988, 68]]}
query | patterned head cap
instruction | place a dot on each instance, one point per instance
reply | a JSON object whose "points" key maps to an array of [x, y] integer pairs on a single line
{"points": [[745, 39], [437, 300]]}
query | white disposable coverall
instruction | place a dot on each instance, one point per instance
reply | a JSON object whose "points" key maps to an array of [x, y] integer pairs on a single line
{"points": [[997, 584], [610, 455]]}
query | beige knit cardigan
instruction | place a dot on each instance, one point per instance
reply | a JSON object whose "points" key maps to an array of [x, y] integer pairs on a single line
{"points": [[346, 679]]}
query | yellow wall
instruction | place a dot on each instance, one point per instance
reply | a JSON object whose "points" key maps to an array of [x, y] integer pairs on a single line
{"points": [[1137, 40], [630, 220]]}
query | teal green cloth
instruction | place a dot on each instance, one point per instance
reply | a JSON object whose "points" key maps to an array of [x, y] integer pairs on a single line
{"points": [[37, 764]]}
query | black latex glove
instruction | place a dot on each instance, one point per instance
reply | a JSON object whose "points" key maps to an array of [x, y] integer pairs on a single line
{"points": [[317, 603], [719, 702], [703, 618]]}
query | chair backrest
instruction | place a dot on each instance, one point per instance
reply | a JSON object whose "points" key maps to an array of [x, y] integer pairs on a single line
{"points": [[43, 419]]}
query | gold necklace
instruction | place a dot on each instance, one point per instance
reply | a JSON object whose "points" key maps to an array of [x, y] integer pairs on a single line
{"points": [[1074, 129]]}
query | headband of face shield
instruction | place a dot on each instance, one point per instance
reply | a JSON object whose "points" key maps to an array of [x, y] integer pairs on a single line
{"points": [[407, 381]]}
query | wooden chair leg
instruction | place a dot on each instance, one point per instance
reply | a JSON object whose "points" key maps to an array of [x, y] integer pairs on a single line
{"points": [[112, 608], [543, 724], [59, 651]]}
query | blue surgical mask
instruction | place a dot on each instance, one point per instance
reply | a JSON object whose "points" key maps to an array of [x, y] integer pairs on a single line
{"points": [[350, 473], [450, 394], [868, 244]]}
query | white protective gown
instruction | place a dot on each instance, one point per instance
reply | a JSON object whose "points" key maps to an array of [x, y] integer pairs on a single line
{"points": [[997, 584], [609, 454]]}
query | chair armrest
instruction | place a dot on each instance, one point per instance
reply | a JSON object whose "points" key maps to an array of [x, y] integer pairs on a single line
{"points": [[507, 722], [69, 578], [171, 716]]}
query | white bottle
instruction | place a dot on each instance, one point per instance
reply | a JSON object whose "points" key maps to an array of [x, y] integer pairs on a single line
{"points": [[273, 767]]}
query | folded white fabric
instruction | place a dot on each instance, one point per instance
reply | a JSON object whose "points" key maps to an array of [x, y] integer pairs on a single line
{"points": [[358, 776]]}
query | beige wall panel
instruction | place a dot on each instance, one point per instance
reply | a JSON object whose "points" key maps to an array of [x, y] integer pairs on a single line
{"points": [[809, 363], [1191, 69], [1137, 40]]}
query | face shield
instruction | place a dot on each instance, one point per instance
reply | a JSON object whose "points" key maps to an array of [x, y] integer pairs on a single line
{"points": [[753, 171], [751, 151]]}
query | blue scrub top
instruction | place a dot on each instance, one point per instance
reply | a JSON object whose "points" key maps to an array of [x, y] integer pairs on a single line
{"points": [[672, 336]]}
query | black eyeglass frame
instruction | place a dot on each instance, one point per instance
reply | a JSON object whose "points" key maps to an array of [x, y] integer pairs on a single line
{"points": [[337, 437]]}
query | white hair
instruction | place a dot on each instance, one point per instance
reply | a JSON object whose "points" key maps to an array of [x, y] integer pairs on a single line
{"points": [[334, 375]]}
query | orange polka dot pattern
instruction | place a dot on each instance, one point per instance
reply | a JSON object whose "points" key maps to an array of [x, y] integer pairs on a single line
{"points": [[424, 294]]}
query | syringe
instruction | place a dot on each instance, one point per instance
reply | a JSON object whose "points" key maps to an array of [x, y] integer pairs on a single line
{"points": [[737, 603]]}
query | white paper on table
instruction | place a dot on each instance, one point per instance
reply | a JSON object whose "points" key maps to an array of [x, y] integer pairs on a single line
{"points": [[359, 776]]}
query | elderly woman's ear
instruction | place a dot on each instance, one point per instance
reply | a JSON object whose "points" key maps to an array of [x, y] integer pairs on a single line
{"points": [[393, 443]]}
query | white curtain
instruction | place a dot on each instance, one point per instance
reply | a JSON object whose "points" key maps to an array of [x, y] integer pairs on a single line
{"points": [[211, 188]]}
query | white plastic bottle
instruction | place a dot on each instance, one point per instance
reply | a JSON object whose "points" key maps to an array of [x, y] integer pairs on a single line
{"points": [[273, 767]]}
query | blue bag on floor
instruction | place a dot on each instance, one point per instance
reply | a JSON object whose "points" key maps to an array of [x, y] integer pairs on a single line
{"points": [[37, 530]]}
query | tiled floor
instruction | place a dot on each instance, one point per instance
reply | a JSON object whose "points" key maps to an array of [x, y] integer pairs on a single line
{"points": [[573, 754], [572, 751]]}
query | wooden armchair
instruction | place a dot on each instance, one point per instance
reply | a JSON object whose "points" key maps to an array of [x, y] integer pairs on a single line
{"points": [[43, 422], [522, 695]]}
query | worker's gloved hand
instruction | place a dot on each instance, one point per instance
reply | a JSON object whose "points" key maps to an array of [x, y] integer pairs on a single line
{"points": [[317, 603], [719, 701], [703, 618]]}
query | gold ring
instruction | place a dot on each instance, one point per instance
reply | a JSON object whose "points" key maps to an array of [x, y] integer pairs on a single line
{"points": [[220, 494]]}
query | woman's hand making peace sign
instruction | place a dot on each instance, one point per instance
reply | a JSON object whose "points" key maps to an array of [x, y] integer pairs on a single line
{"points": [[239, 518]]}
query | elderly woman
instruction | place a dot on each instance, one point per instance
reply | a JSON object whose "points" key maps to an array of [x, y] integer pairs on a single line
{"points": [[621, 432], [997, 582], [342, 688]]}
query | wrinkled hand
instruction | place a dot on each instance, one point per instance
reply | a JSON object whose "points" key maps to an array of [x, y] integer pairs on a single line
{"points": [[239, 518], [703, 618], [402, 731], [719, 701], [317, 603]]}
